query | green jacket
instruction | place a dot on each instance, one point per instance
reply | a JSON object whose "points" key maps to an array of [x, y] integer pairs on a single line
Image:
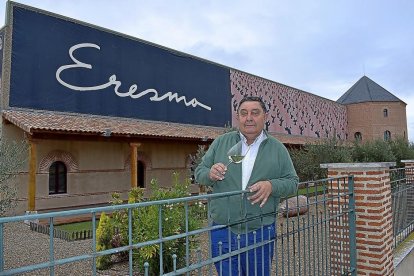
{"points": [[272, 163]]}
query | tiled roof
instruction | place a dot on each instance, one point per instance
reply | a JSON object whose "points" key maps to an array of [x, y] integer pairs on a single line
{"points": [[366, 90], [33, 121]]}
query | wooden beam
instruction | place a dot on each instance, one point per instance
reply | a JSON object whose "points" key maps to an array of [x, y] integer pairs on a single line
{"points": [[134, 167], [32, 177]]}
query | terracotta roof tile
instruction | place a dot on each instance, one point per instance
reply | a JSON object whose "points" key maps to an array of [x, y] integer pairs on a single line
{"points": [[49, 121], [33, 121]]}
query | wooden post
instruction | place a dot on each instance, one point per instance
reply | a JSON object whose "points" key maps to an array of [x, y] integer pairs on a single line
{"points": [[32, 177], [134, 167]]}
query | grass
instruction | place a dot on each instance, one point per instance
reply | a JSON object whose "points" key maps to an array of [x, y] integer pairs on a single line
{"points": [[310, 191], [76, 226]]}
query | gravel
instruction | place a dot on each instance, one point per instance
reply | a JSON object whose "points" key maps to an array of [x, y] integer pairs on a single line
{"points": [[24, 247]]}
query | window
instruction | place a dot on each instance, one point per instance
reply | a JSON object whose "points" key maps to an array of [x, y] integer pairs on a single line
{"points": [[57, 178], [358, 136], [385, 112], [387, 135], [141, 174]]}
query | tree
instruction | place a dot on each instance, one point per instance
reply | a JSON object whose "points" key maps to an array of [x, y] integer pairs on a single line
{"points": [[12, 157], [308, 158]]}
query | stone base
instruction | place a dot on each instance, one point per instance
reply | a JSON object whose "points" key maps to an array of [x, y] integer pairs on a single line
{"points": [[27, 221]]}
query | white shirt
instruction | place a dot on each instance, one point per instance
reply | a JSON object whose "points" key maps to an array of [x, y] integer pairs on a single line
{"points": [[250, 157]]}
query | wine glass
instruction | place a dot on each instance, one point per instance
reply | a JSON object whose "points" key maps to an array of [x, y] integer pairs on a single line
{"points": [[235, 153]]}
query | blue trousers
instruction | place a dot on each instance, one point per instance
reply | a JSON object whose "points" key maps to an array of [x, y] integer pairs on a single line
{"points": [[257, 261]]}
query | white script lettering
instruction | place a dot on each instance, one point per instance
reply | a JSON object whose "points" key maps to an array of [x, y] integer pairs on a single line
{"points": [[117, 84]]}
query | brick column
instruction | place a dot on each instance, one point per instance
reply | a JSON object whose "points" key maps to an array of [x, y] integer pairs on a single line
{"points": [[373, 209], [409, 174]]}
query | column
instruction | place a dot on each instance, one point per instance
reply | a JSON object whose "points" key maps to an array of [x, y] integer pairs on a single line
{"points": [[373, 210], [32, 177], [134, 167]]}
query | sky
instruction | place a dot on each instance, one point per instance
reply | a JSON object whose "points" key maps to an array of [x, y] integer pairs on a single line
{"points": [[322, 47]]}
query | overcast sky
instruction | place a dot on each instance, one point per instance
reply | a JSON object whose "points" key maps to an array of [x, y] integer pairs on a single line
{"points": [[322, 47]]}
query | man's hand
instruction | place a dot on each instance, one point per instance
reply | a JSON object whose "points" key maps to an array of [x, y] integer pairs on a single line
{"points": [[262, 191], [217, 172]]}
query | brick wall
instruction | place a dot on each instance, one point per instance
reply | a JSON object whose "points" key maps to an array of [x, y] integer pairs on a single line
{"points": [[368, 119], [373, 209]]}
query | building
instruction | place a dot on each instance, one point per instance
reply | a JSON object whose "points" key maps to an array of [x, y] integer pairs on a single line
{"points": [[373, 112], [104, 112]]}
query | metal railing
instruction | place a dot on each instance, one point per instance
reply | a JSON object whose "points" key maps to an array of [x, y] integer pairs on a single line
{"points": [[402, 189], [315, 235]]}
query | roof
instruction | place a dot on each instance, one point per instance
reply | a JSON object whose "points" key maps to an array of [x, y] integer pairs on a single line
{"points": [[35, 121], [366, 90], [41, 121]]}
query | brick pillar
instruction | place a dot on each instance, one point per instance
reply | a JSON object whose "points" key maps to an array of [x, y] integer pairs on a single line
{"points": [[409, 174], [373, 209]]}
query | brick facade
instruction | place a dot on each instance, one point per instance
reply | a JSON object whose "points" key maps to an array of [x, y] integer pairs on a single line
{"points": [[368, 119], [373, 209]]}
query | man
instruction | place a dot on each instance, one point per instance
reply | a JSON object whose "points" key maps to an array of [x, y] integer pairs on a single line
{"points": [[266, 173]]}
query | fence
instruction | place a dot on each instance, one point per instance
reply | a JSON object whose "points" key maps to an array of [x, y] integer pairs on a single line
{"points": [[61, 234], [315, 235], [402, 187]]}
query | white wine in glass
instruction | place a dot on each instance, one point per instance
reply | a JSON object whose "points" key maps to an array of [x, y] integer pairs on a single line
{"points": [[235, 153]]}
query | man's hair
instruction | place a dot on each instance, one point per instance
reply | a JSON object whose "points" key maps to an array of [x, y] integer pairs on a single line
{"points": [[253, 99]]}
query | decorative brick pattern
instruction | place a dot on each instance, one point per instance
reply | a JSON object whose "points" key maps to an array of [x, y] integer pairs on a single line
{"points": [[290, 111], [58, 155], [141, 157]]}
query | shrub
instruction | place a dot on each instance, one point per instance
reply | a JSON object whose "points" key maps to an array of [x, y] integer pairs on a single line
{"points": [[12, 157], [104, 234], [195, 161], [307, 159], [372, 151], [402, 150], [145, 224], [173, 223]]}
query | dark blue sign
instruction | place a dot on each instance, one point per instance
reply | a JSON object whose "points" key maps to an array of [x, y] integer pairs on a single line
{"points": [[62, 65]]}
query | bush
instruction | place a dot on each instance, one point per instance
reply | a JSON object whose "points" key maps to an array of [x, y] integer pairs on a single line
{"points": [[145, 224], [372, 151], [195, 161], [307, 159], [104, 234], [12, 157], [402, 150]]}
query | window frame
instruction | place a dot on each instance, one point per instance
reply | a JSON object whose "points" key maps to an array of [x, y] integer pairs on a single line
{"points": [[60, 170], [387, 135], [358, 136]]}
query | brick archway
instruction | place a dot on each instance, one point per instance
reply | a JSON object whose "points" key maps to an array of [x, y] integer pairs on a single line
{"points": [[141, 157], [58, 155]]}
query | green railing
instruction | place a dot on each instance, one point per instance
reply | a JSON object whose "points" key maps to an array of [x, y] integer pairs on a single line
{"points": [[315, 235], [402, 188]]}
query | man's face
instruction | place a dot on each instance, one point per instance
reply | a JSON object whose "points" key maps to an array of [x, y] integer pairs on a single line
{"points": [[251, 119]]}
